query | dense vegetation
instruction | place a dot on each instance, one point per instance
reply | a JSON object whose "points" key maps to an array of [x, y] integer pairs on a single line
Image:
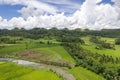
{"points": [[93, 62], [37, 33]]}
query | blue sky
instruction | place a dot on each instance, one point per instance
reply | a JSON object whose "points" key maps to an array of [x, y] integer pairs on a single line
{"points": [[8, 11]]}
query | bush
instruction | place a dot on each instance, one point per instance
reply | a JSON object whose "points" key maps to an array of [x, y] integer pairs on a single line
{"points": [[117, 41]]}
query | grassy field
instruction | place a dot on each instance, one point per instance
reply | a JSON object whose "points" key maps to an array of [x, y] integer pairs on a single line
{"points": [[34, 50], [11, 71], [86, 39], [58, 53], [12, 48], [84, 74], [54, 51], [110, 52]]}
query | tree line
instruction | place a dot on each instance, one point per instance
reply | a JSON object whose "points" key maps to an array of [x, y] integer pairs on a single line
{"points": [[36, 33]]}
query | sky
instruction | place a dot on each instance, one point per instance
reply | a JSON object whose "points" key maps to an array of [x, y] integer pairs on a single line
{"points": [[71, 14]]}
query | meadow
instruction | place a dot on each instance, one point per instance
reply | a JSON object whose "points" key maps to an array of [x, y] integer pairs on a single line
{"points": [[110, 52]]}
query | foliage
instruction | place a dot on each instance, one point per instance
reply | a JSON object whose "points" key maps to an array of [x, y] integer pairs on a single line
{"points": [[117, 41], [37, 33], [91, 61]]}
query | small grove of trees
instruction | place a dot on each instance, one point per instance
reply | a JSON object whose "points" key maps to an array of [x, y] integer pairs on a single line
{"points": [[7, 40], [95, 39], [108, 45], [71, 39], [117, 41]]}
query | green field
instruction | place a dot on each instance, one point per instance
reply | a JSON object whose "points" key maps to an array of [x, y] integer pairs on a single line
{"points": [[58, 53], [110, 52], [11, 71], [84, 74], [34, 50], [54, 51]]}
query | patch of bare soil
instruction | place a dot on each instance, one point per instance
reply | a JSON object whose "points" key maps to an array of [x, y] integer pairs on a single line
{"points": [[42, 57], [34, 55]]}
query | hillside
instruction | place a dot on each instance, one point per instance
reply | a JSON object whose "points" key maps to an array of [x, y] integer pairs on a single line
{"points": [[78, 56]]}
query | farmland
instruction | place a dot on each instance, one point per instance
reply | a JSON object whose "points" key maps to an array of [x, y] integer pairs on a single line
{"points": [[110, 52], [85, 57], [84, 74], [13, 71]]}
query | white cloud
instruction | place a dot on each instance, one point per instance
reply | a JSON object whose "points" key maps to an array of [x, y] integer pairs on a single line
{"points": [[117, 2], [66, 6], [90, 15], [32, 7], [36, 8], [95, 16]]}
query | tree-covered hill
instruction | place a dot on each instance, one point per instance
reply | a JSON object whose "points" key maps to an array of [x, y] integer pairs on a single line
{"points": [[36, 33]]}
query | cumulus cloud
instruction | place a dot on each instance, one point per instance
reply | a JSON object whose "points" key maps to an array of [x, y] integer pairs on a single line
{"points": [[95, 16], [90, 15]]}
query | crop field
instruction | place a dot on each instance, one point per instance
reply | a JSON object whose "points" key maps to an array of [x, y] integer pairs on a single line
{"points": [[11, 71], [58, 52], [54, 52], [84, 74], [47, 51], [110, 52]]}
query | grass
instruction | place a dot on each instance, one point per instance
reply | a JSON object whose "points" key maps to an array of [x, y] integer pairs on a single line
{"points": [[109, 52], [54, 51], [84, 74], [107, 39], [86, 39], [12, 48], [58, 52], [38, 75], [11, 71]]}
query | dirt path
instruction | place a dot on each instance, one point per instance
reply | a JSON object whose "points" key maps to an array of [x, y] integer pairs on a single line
{"points": [[66, 75], [63, 73], [58, 70]]}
